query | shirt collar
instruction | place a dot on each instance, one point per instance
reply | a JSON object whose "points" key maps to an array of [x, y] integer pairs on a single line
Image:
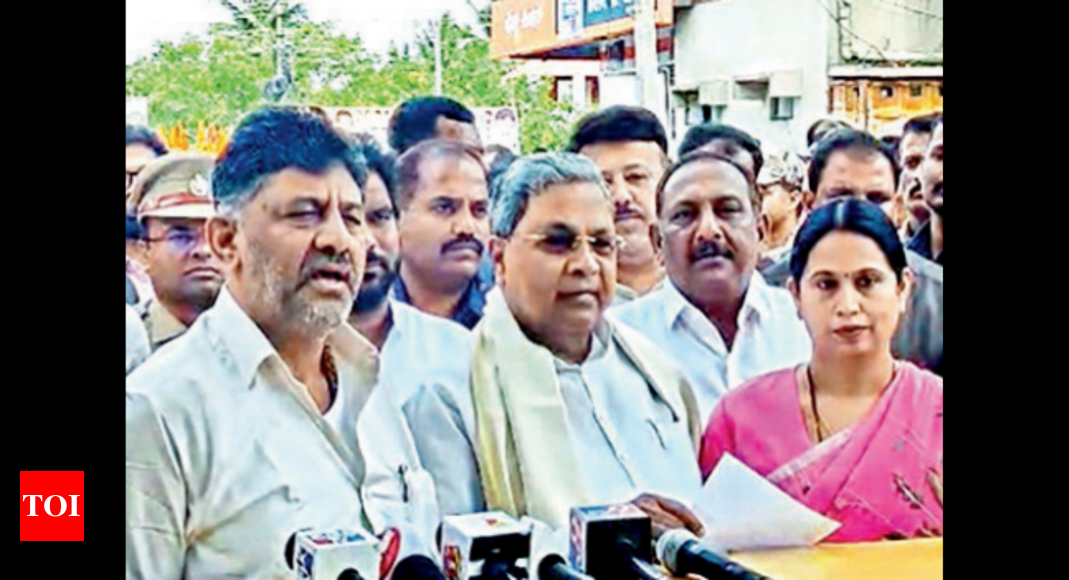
{"points": [[162, 324], [229, 324], [248, 346], [469, 309], [755, 301], [599, 346], [922, 241]]}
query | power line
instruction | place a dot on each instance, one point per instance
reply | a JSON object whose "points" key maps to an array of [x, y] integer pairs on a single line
{"points": [[913, 10], [842, 27]]}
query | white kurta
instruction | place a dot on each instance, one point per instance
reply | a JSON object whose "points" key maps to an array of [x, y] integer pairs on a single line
{"points": [[226, 454], [770, 337], [625, 438]]}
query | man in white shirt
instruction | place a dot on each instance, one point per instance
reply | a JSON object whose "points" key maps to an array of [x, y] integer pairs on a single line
{"points": [[630, 148], [262, 418], [420, 355], [137, 348], [719, 320], [570, 409]]}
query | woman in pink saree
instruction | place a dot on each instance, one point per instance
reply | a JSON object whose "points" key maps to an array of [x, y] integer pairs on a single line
{"points": [[855, 434]]}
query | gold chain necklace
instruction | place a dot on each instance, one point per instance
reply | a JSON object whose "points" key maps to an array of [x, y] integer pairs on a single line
{"points": [[822, 429]]}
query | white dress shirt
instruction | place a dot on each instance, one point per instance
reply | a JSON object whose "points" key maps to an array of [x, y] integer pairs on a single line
{"points": [[426, 364], [227, 454], [625, 438], [770, 336], [137, 348]]}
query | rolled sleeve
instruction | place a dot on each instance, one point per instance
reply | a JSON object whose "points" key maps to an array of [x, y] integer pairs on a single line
{"points": [[155, 496]]}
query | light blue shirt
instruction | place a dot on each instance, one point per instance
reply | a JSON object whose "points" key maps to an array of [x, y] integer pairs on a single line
{"points": [[426, 365], [770, 336]]}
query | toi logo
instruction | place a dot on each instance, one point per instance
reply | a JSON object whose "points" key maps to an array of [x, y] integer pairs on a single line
{"points": [[53, 505]]}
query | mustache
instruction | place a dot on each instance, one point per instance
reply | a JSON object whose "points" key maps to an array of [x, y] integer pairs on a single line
{"points": [[915, 189], [463, 242], [316, 262], [710, 249], [626, 210], [377, 257]]}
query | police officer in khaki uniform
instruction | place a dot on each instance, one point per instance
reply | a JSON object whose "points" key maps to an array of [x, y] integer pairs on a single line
{"points": [[172, 202]]}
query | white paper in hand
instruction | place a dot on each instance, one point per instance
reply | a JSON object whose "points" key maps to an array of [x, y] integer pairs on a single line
{"points": [[743, 511]]}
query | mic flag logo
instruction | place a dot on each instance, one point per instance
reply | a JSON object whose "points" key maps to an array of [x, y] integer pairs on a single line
{"points": [[53, 505]]}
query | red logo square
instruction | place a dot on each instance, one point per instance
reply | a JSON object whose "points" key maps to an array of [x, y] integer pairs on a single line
{"points": [[48, 494]]}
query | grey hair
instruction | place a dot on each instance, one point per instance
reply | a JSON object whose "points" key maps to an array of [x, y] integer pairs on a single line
{"points": [[529, 176]]}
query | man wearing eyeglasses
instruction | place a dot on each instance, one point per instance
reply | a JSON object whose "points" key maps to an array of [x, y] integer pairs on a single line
{"points": [[717, 317], [172, 203], [570, 408], [142, 146]]}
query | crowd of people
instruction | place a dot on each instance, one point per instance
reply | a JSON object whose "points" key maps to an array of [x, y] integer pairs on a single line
{"points": [[326, 332]]}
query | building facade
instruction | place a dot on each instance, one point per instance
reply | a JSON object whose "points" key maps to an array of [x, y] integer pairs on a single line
{"points": [[772, 67]]}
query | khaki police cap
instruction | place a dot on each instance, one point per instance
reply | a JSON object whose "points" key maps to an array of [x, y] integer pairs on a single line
{"points": [[176, 185]]}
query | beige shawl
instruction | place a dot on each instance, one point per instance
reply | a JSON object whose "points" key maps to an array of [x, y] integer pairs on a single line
{"points": [[526, 459]]}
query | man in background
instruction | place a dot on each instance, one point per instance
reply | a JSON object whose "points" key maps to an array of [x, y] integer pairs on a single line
{"points": [[442, 200], [630, 147], [171, 199]]}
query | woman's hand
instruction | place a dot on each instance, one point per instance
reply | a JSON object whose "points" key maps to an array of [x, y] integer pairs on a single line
{"points": [[666, 514]]}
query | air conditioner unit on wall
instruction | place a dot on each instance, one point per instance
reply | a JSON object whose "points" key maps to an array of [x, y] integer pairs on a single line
{"points": [[716, 92]]}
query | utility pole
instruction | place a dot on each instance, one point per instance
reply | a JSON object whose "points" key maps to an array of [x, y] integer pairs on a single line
{"points": [[438, 60], [646, 59]]}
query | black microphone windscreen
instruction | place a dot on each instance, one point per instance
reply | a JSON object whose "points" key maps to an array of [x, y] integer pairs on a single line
{"points": [[288, 552], [417, 568]]}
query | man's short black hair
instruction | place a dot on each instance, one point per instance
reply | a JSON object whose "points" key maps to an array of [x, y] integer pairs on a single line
{"points": [[706, 156], [847, 140], [822, 128], [381, 163], [616, 124], [699, 135], [416, 120], [273, 139], [138, 135], [411, 163], [923, 124]]}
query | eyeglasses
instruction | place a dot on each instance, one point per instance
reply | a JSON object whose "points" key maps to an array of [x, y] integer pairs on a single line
{"points": [[180, 241], [566, 242]]}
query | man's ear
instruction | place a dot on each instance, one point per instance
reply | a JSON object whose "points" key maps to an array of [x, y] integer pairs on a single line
{"points": [[657, 238], [222, 235], [905, 289], [497, 258], [808, 199]]}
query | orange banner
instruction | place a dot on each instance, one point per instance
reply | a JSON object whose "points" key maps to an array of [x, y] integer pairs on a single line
{"points": [[522, 26]]}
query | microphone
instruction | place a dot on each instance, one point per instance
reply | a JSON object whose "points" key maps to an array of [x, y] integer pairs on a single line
{"points": [[485, 546], [680, 552], [338, 554], [612, 542], [417, 568], [553, 567]]}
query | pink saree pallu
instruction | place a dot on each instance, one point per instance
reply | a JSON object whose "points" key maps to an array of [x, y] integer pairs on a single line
{"points": [[873, 477]]}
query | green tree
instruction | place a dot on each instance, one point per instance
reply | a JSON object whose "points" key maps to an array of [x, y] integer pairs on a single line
{"points": [[219, 77]]}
